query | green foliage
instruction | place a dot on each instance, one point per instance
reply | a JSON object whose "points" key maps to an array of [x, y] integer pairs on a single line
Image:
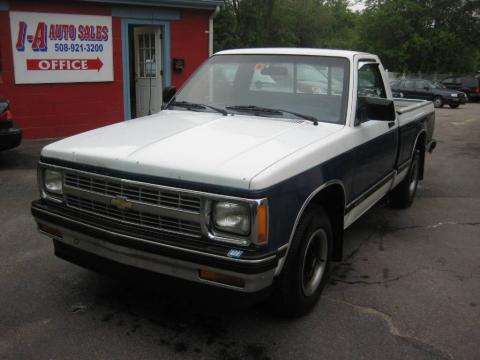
{"points": [[409, 35], [314, 23]]}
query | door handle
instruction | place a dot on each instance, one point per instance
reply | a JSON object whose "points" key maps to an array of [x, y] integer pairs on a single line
{"points": [[391, 123]]}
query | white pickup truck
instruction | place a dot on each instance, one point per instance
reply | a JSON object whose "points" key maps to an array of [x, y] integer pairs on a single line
{"points": [[246, 179]]}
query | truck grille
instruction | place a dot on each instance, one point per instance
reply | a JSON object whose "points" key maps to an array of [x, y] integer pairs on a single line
{"points": [[153, 207], [144, 194], [135, 217]]}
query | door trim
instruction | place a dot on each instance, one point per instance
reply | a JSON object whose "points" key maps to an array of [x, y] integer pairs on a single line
{"points": [[166, 78]]}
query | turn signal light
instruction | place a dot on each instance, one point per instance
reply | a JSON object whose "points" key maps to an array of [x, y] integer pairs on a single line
{"points": [[221, 278], [262, 224], [6, 115], [50, 230]]}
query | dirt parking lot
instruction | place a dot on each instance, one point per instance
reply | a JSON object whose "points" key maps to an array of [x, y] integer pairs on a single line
{"points": [[408, 288]]}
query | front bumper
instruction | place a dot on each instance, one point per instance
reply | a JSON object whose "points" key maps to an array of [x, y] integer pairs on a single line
{"points": [[461, 100], [10, 138], [78, 235]]}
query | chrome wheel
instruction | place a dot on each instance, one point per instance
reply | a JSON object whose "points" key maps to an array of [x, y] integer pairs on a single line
{"points": [[314, 261]]}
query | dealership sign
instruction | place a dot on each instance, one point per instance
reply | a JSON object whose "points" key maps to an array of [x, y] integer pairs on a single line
{"points": [[61, 48]]}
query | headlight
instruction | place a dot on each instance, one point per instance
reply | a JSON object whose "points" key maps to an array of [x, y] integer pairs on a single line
{"points": [[53, 181], [231, 217], [454, 95]]}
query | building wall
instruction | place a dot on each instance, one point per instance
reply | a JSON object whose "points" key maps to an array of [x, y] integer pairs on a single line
{"points": [[55, 110], [189, 41]]}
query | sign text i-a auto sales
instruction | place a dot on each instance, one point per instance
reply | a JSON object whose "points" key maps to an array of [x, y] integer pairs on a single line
{"points": [[52, 48]]}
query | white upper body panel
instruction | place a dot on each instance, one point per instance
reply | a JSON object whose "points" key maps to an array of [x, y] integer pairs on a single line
{"points": [[240, 151], [194, 146]]}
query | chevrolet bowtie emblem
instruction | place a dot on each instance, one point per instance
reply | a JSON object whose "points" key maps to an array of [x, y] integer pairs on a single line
{"points": [[121, 203]]}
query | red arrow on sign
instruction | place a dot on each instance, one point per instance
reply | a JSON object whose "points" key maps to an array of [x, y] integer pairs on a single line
{"points": [[64, 64]]}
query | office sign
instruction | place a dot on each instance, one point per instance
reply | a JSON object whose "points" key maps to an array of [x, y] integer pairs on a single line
{"points": [[61, 48]]}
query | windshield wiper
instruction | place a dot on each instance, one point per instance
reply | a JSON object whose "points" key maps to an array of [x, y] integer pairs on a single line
{"points": [[190, 105], [259, 109]]}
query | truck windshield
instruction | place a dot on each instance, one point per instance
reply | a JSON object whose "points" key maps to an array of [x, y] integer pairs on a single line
{"points": [[288, 86]]}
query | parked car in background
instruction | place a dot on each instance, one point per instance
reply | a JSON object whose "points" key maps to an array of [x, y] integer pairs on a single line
{"points": [[470, 85], [10, 136], [426, 90], [394, 82]]}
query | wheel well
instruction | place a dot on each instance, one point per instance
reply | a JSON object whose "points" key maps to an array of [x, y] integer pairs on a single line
{"points": [[332, 199], [421, 146]]}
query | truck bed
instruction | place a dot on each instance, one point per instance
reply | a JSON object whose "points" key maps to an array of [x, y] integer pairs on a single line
{"points": [[409, 110], [403, 106]]}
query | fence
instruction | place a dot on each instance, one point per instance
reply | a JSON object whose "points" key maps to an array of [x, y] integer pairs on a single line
{"points": [[400, 76]]}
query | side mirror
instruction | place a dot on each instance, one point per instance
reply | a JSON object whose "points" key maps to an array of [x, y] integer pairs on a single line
{"points": [[427, 88], [373, 108], [169, 93]]}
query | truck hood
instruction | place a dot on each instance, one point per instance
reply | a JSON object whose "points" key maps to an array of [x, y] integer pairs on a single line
{"points": [[192, 146]]}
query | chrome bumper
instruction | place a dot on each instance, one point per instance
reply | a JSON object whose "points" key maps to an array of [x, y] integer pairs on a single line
{"points": [[261, 276]]}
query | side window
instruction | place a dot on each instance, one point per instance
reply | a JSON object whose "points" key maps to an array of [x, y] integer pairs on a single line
{"points": [[370, 81], [409, 84], [420, 85]]}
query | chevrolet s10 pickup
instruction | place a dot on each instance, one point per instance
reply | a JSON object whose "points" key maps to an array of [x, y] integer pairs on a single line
{"points": [[247, 178]]}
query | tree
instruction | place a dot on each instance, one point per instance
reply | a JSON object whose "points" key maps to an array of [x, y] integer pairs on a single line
{"points": [[305, 23], [422, 35], [409, 35]]}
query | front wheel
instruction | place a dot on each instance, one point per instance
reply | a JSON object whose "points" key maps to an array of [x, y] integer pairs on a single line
{"points": [[438, 102], [403, 195], [305, 272]]}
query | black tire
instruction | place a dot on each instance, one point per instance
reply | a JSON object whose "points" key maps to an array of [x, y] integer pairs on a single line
{"points": [[403, 195], [454, 106], [306, 269], [438, 102]]}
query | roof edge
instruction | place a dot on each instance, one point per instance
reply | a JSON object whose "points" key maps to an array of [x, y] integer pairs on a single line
{"points": [[293, 51], [193, 4]]}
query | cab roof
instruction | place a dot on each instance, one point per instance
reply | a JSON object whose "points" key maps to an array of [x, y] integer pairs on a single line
{"points": [[294, 51]]}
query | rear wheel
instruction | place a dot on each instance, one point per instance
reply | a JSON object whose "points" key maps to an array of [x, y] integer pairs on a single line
{"points": [[403, 195], [305, 272], [438, 101]]}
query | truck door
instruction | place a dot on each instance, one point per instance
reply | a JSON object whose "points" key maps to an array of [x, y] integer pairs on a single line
{"points": [[375, 157]]}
